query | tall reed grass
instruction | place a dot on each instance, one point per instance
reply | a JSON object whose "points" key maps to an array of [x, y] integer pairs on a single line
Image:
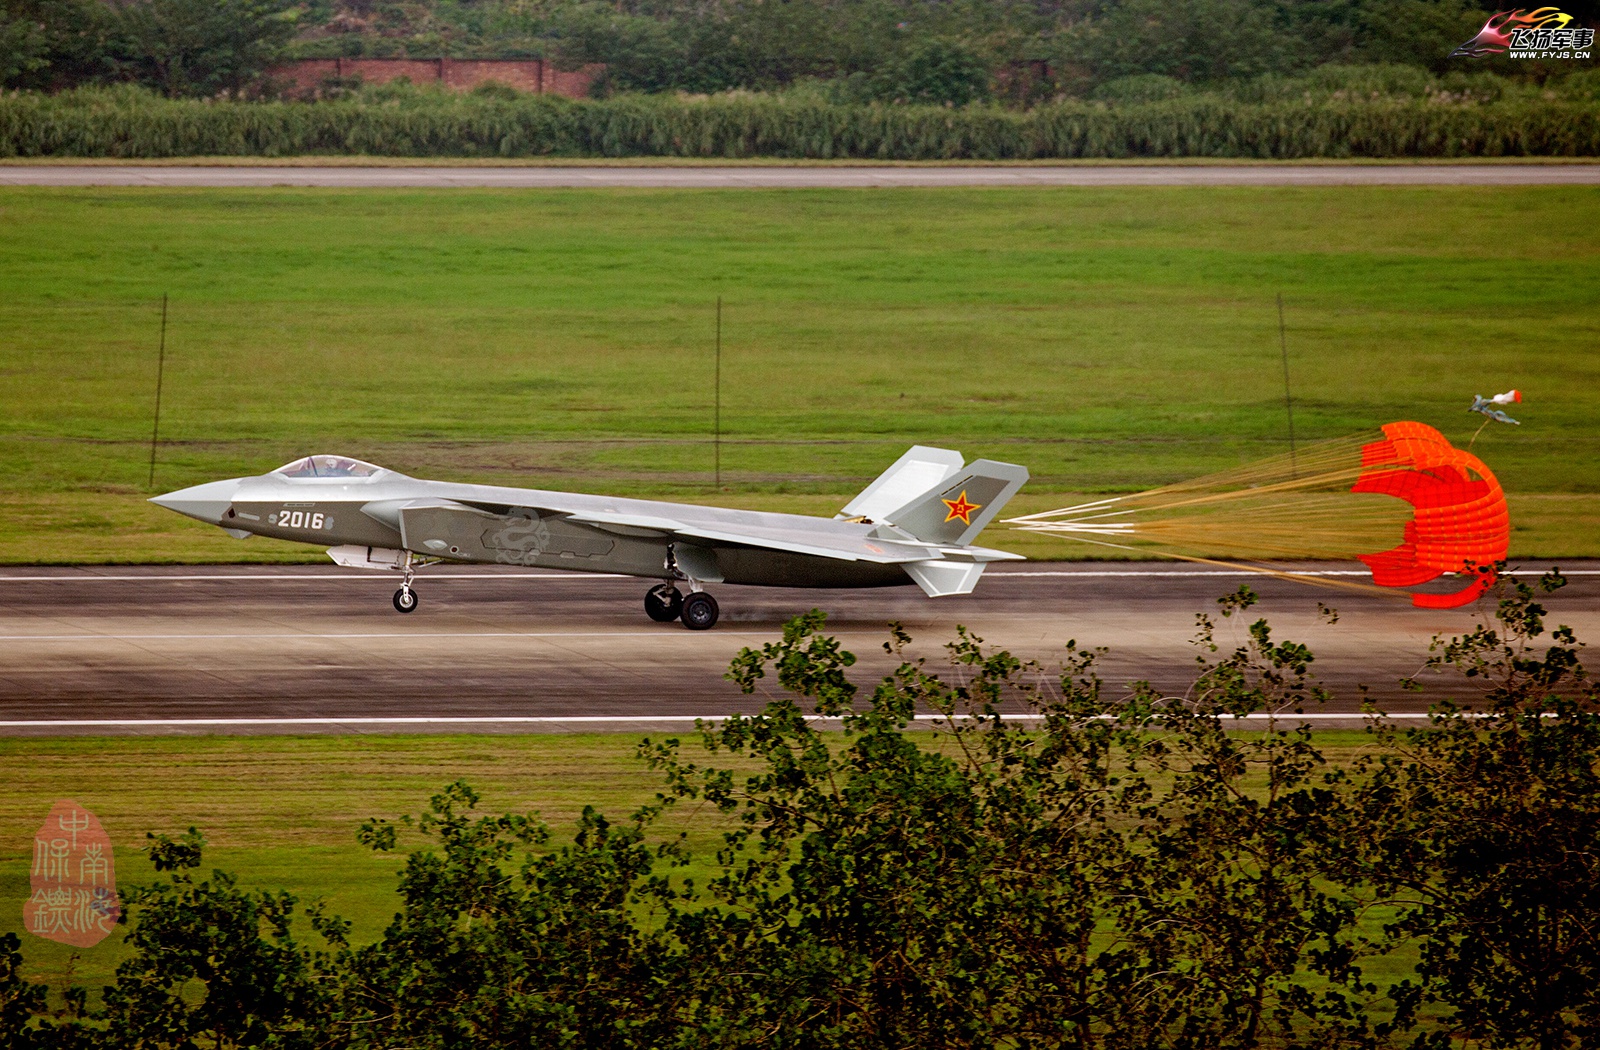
{"points": [[128, 123]]}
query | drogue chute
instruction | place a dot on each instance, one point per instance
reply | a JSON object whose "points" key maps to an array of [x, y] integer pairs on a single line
{"points": [[1406, 503]]}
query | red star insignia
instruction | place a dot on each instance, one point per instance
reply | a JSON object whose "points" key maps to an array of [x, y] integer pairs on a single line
{"points": [[960, 508]]}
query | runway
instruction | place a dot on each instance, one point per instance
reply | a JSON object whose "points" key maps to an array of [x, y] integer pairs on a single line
{"points": [[308, 649], [797, 176]]}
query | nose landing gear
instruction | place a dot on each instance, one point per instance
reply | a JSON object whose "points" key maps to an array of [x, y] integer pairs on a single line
{"points": [[405, 599]]}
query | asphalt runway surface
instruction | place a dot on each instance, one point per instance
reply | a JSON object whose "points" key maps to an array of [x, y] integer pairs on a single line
{"points": [[305, 649], [801, 177]]}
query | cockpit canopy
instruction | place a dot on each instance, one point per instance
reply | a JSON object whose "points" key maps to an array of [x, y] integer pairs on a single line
{"points": [[342, 467]]}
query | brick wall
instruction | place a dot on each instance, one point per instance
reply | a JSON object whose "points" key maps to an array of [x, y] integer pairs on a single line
{"points": [[458, 74]]}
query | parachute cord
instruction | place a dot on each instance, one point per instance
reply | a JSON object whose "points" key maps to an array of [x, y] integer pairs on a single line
{"points": [[1261, 570]]}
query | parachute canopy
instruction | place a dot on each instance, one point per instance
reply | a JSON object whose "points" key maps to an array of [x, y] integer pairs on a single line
{"points": [[1405, 502], [1460, 522]]}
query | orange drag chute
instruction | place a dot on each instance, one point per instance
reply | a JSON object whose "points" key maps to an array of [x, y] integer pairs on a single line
{"points": [[1460, 523]]}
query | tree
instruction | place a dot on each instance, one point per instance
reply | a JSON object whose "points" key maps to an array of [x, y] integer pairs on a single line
{"points": [[258, 984], [23, 47], [639, 53], [1417, 32], [46, 43], [1485, 829], [936, 71], [1191, 40], [201, 47], [1123, 871], [1235, 934], [487, 955], [20, 999], [889, 892]]}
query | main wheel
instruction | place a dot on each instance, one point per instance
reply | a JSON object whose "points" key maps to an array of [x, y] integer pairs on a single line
{"points": [[699, 611], [405, 600], [663, 603]]}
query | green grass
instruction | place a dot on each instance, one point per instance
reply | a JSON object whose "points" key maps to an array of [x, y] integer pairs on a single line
{"points": [[1110, 339], [282, 812]]}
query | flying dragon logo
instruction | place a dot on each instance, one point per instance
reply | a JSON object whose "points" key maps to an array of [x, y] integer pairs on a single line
{"points": [[1495, 36], [519, 541]]}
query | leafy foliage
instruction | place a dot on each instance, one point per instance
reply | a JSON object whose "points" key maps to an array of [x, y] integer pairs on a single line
{"points": [[201, 47], [910, 51], [401, 121], [20, 999], [179, 47], [883, 894], [1486, 830], [45, 43], [545, 954]]}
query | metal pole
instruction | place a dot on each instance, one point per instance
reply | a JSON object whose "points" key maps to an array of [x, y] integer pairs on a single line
{"points": [[716, 441], [161, 367], [1288, 402]]}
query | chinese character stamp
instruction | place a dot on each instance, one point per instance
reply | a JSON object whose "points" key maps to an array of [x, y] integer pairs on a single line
{"points": [[74, 899]]}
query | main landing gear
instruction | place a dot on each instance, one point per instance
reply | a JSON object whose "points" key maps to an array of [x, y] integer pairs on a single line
{"points": [[664, 603]]}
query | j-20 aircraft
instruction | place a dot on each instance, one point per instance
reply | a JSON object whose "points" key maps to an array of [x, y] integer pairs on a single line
{"points": [[914, 524]]}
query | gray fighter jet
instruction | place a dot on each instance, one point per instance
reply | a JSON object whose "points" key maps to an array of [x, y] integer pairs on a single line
{"points": [[915, 524]]}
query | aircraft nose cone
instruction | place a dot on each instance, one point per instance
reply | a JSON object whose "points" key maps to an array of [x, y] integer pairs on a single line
{"points": [[205, 503]]}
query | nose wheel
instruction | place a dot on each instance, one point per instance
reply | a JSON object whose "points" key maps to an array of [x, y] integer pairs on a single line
{"points": [[405, 599]]}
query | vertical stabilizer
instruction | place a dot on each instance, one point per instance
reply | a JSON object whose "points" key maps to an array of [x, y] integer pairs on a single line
{"points": [[956, 509], [911, 475]]}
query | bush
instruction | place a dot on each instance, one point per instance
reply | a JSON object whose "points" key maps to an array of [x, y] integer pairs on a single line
{"points": [[402, 121], [1140, 87], [1378, 79], [935, 72], [1190, 40]]}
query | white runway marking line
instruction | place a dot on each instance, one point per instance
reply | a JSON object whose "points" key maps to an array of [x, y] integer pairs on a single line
{"points": [[91, 723], [301, 635], [587, 577], [1247, 572], [854, 177]]}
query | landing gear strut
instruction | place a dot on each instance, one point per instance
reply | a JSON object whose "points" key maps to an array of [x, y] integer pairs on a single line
{"points": [[698, 611], [405, 599]]}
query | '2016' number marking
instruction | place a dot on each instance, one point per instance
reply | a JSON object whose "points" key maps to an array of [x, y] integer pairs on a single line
{"points": [[300, 519]]}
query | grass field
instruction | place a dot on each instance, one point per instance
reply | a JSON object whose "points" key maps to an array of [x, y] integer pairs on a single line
{"points": [[1110, 339], [282, 812]]}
